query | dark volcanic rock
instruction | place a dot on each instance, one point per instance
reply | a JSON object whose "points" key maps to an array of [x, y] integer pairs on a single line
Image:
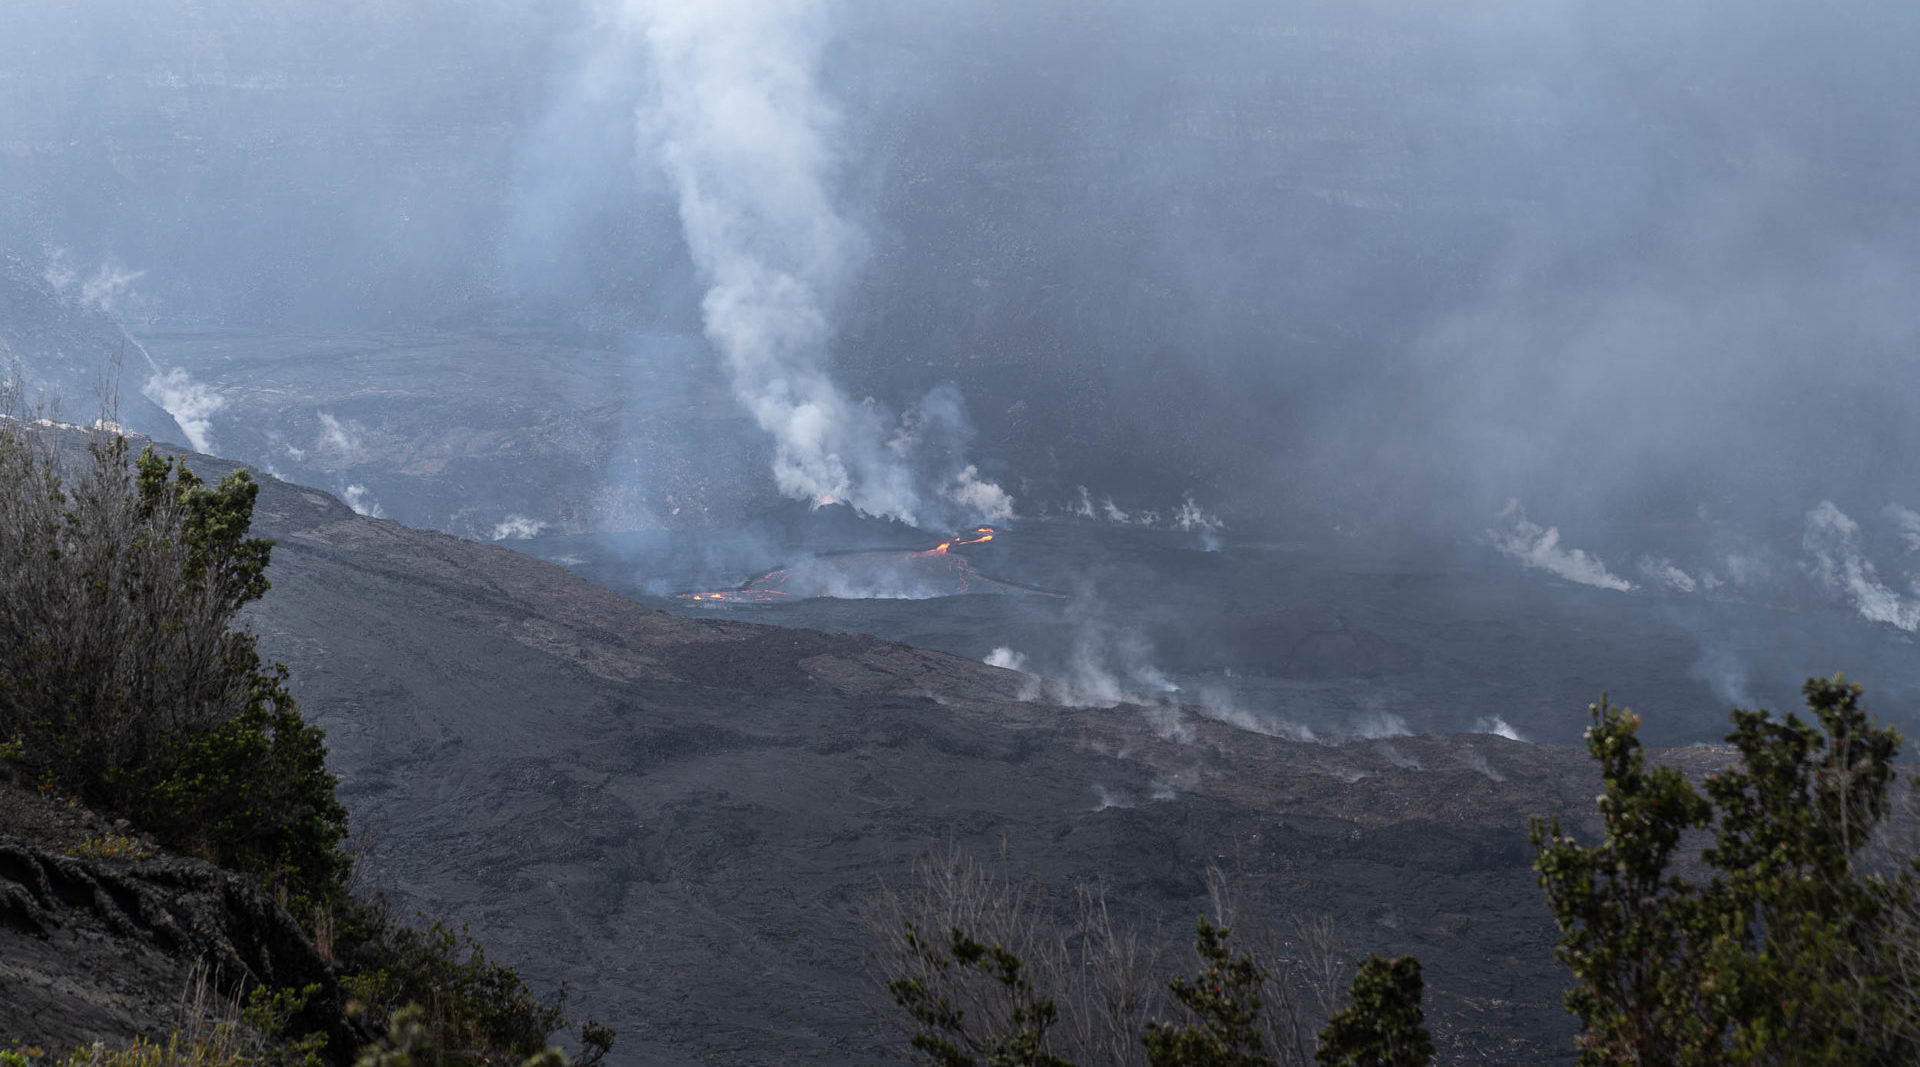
{"points": [[102, 949], [680, 817]]}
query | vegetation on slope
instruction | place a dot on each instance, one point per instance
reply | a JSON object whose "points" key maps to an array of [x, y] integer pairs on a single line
{"points": [[126, 685], [983, 972], [1764, 917], [1795, 941]]}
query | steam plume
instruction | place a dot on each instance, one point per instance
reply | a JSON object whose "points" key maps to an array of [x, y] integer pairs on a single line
{"points": [[747, 139], [1664, 571], [191, 404], [1497, 726], [1832, 542], [1908, 520], [109, 292], [1538, 546], [1007, 658]]}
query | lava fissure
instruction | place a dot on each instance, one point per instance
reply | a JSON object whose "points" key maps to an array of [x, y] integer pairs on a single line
{"points": [[875, 574]]}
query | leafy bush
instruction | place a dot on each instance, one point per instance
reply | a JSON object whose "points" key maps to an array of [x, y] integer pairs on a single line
{"points": [[1791, 949], [1223, 1005], [470, 1002], [108, 847], [215, 1030], [124, 685], [409, 1042], [945, 1034], [122, 679], [984, 972], [1226, 1024], [1384, 1026], [174, 1052]]}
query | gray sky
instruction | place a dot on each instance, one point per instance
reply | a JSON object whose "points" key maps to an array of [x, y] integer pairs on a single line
{"points": [[1381, 263]]}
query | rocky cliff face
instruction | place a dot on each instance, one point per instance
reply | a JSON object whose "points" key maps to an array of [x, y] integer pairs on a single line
{"points": [[102, 935]]}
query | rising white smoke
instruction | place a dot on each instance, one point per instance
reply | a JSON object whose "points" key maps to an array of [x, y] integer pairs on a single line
{"points": [[1836, 561], [1498, 727], [362, 502], [340, 442], [746, 136], [1747, 569], [1908, 520], [191, 404], [1381, 724], [1668, 573], [1479, 763], [1007, 658], [981, 499], [1721, 667], [1400, 759], [1192, 518], [1537, 546], [1105, 798], [516, 528], [1188, 517], [109, 291], [1253, 722]]}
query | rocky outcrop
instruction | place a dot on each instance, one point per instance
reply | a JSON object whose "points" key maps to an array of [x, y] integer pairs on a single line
{"points": [[102, 948]]}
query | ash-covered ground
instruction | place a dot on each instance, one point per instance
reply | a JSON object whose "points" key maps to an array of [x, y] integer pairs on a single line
{"points": [[681, 817]]}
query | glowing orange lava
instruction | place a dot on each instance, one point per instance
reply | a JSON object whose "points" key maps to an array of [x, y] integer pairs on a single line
{"points": [[934, 572]]}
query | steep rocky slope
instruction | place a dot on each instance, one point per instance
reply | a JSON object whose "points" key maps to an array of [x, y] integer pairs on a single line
{"points": [[101, 933]]}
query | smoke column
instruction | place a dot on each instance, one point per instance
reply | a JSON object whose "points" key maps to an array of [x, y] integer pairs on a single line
{"points": [[747, 139]]}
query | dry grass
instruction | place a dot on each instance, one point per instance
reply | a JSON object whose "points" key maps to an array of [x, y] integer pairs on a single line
{"points": [[1106, 975], [109, 847]]}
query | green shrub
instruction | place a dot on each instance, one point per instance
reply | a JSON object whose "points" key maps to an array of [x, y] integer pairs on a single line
{"points": [[1384, 1026], [174, 1052], [410, 1042], [471, 1003], [108, 847], [945, 1035], [124, 685], [122, 678], [1790, 949], [1223, 1004]]}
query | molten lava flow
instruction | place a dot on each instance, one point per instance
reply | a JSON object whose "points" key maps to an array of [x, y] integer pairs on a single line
{"points": [[934, 572], [769, 588]]}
